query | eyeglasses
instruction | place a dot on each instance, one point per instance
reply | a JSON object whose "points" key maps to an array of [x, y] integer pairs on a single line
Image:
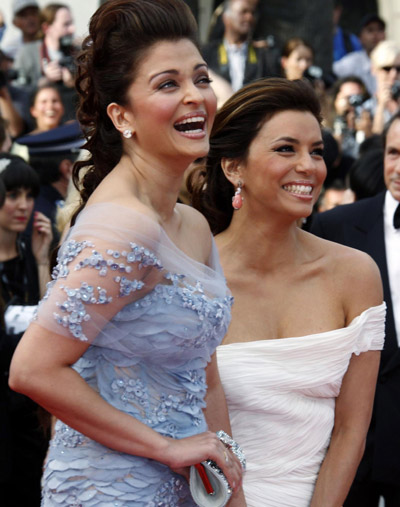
{"points": [[388, 68]]}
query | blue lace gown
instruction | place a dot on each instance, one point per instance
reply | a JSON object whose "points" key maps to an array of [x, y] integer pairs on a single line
{"points": [[153, 317]]}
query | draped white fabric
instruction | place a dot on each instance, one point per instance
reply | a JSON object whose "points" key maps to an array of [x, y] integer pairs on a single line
{"points": [[281, 398]]}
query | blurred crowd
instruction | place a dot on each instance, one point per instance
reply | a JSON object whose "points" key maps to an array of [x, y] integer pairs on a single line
{"points": [[40, 140]]}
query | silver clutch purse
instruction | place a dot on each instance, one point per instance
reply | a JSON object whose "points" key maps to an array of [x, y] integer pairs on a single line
{"points": [[208, 484]]}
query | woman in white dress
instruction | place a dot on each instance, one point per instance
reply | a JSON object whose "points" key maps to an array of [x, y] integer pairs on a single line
{"points": [[300, 359]]}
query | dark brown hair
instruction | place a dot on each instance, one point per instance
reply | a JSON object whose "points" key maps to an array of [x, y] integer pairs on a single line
{"points": [[44, 86], [349, 79], [293, 43], [121, 32], [236, 125], [49, 12]]}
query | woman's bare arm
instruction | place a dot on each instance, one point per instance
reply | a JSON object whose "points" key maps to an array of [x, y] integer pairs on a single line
{"points": [[353, 408]]}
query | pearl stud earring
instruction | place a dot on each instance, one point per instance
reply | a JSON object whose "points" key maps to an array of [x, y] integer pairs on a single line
{"points": [[127, 133]]}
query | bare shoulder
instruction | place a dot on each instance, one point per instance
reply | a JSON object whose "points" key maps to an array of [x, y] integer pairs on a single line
{"points": [[195, 227], [355, 274], [195, 221]]}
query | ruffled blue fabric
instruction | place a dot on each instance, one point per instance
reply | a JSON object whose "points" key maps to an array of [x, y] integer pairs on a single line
{"points": [[153, 317]]}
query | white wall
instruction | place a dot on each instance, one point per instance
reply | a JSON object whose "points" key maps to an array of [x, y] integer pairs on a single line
{"points": [[390, 12], [81, 11]]}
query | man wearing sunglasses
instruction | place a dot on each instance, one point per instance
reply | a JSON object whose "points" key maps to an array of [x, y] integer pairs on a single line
{"points": [[385, 66]]}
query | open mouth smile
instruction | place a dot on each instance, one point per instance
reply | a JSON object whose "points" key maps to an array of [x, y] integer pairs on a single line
{"points": [[305, 190], [191, 125]]}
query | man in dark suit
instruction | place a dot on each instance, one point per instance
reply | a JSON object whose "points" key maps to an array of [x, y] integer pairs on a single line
{"points": [[236, 58], [373, 226]]}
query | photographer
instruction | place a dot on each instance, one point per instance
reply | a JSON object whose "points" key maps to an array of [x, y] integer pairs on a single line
{"points": [[385, 59], [13, 102], [51, 59], [43, 58], [351, 123]]}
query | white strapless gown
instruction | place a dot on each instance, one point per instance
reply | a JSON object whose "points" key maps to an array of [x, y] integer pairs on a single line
{"points": [[281, 398]]}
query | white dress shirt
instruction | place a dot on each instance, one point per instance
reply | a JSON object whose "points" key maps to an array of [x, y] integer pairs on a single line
{"points": [[392, 244], [237, 56]]}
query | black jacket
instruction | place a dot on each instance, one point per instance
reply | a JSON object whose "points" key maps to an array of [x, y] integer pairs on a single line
{"points": [[261, 62], [360, 225]]}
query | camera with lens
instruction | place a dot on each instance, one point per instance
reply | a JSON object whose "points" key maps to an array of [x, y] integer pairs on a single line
{"points": [[356, 100], [395, 90], [67, 49], [313, 73], [6, 76]]}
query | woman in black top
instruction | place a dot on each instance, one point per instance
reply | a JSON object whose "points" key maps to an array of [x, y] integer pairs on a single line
{"points": [[24, 268]]}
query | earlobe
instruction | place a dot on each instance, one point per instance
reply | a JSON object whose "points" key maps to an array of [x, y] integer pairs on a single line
{"points": [[120, 118], [232, 169]]}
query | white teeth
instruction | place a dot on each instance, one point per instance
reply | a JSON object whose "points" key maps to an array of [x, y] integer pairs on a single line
{"points": [[298, 189], [191, 120]]}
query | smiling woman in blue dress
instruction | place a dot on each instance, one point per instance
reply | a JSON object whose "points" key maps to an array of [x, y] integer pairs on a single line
{"points": [[123, 348]]}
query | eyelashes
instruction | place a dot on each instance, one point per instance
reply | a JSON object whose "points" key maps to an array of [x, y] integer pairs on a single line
{"points": [[287, 148], [171, 83]]}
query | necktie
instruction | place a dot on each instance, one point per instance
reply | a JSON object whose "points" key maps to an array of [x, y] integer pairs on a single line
{"points": [[396, 218]]}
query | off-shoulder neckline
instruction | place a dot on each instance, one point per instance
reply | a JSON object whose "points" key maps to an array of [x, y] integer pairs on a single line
{"points": [[163, 231], [352, 324]]}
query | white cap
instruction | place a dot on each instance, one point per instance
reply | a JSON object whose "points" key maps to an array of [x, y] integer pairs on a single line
{"points": [[19, 5]]}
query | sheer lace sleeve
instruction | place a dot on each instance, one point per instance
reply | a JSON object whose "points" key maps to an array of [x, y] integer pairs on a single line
{"points": [[107, 262], [372, 329], [117, 266]]}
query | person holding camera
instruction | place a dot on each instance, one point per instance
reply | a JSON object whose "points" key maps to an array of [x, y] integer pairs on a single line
{"points": [[350, 123], [297, 62], [43, 59], [11, 100], [297, 56], [51, 59], [385, 66]]}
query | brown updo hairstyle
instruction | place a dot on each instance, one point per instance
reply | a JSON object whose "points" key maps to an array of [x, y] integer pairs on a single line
{"points": [[121, 32], [236, 125]]}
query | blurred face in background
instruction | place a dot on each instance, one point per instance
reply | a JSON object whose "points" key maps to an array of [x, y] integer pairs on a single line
{"points": [[297, 62], [28, 21], [387, 73], [342, 98], [47, 109], [240, 18], [332, 197], [62, 25], [371, 35]]}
